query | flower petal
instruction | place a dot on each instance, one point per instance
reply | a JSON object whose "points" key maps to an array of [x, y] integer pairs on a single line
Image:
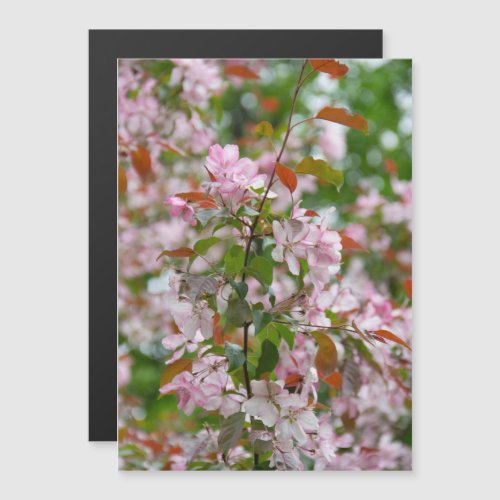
{"points": [[293, 263], [277, 253], [279, 233]]}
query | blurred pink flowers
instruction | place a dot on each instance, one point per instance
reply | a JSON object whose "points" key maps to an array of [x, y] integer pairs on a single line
{"points": [[181, 208]]}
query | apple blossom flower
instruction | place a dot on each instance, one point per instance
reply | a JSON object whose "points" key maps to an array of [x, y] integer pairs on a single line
{"points": [[218, 399], [323, 245], [181, 208], [296, 421], [186, 390], [231, 172], [178, 344], [193, 318], [266, 395], [286, 456], [287, 246]]}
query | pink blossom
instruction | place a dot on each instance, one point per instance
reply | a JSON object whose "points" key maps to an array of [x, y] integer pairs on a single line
{"points": [[345, 405], [186, 391], [296, 421], [192, 133], [124, 370], [403, 189], [266, 395], [396, 213], [328, 442], [231, 172], [181, 208], [286, 456], [199, 78], [323, 245], [333, 299], [227, 404], [193, 318], [178, 344], [287, 246], [357, 232], [367, 203]]}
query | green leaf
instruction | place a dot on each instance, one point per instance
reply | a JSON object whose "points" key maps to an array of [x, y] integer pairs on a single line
{"points": [[285, 333], [240, 287], [269, 333], [244, 210], [322, 170], [238, 312], [262, 269], [268, 359], [231, 431], [132, 450], [218, 350], [202, 246], [261, 446], [264, 466], [260, 319], [205, 215], [234, 260], [235, 355], [264, 129]]}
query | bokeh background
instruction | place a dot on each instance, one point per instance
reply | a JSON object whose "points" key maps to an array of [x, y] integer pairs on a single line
{"points": [[170, 112]]}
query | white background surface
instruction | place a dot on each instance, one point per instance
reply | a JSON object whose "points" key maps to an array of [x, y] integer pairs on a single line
{"points": [[44, 451]]}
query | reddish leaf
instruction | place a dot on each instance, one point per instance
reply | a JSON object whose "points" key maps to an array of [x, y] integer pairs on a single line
{"points": [[178, 366], [386, 334], [122, 180], [141, 161], [361, 333], [270, 104], [216, 319], [311, 213], [334, 380], [408, 286], [349, 244], [287, 177], [212, 176], [391, 166], [326, 357], [208, 204], [342, 116], [241, 71], [331, 66], [218, 339], [178, 252], [293, 379], [192, 196]]}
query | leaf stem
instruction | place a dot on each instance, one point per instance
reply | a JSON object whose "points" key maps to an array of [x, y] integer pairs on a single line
{"points": [[254, 227]]}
